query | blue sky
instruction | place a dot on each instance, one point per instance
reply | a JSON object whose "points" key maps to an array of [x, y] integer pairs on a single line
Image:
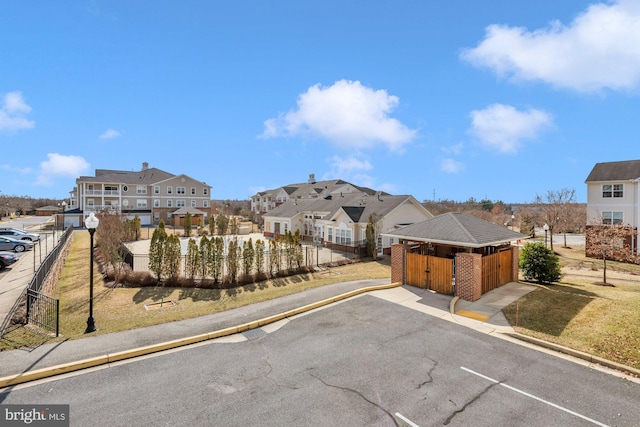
{"points": [[498, 100]]}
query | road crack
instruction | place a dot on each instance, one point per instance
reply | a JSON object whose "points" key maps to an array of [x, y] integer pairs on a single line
{"points": [[466, 405], [429, 374], [358, 393]]}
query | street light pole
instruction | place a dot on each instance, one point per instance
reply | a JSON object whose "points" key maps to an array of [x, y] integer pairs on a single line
{"points": [[64, 208], [545, 227], [92, 223]]}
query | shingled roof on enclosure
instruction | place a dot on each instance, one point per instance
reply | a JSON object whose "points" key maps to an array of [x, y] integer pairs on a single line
{"points": [[457, 229]]}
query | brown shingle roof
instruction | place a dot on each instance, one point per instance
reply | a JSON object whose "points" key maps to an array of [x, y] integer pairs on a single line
{"points": [[615, 171], [458, 229]]}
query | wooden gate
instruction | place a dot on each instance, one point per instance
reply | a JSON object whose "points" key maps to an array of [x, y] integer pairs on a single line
{"points": [[496, 270], [430, 272]]}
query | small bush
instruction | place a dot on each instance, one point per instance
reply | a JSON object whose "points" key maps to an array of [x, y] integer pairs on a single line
{"points": [[539, 264], [141, 279]]}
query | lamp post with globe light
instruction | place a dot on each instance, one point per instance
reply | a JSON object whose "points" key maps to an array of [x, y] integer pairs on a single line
{"points": [[91, 222], [545, 227], [64, 207]]}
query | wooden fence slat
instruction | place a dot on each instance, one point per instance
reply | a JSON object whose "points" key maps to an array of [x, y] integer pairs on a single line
{"points": [[430, 272]]}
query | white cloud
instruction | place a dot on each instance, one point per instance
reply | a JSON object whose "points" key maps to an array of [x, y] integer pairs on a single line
{"points": [[503, 127], [454, 149], [352, 169], [60, 165], [12, 113], [347, 115], [347, 166], [15, 169], [451, 166], [598, 50], [110, 134]]}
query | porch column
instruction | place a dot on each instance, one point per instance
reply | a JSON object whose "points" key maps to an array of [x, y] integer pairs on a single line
{"points": [[469, 276]]}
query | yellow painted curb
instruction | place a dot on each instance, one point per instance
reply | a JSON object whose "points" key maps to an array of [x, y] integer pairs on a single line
{"points": [[472, 315], [154, 348], [52, 370]]}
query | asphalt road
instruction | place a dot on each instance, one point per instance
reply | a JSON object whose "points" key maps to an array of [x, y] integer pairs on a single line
{"points": [[362, 362]]}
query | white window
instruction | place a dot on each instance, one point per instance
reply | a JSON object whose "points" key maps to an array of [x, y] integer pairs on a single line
{"points": [[141, 203], [180, 203], [141, 189], [193, 203], [90, 202], [612, 217], [205, 203], [180, 190], [343, 236], [156, 203], [615, 190], [330, 234], [193, 191], [205, 191], [156, 216], [169, 203], [156, 189], [169, 189]]}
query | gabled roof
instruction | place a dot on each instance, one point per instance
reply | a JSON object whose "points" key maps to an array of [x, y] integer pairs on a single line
{"points": [[354, 212], [357, 206], [457, 229], [615, 171], [303, 190], [184, 210], [144, 177]]}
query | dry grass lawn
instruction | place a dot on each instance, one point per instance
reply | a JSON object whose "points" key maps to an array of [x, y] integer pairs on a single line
{"points": [[118, 309], [578, 313]]}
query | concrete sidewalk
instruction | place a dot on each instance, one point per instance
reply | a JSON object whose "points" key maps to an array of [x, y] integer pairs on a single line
{"points": [[15, 278]]}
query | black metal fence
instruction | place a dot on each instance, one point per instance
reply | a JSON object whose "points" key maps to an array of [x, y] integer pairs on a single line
{"points": [[43, 311], [45, 266]]}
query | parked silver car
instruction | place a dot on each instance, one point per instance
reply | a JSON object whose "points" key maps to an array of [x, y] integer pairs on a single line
{"points": [[9, 244], [6, 259], [14, 233]]}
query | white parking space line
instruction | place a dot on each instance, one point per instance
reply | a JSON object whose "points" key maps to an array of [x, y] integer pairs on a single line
{"points": [[406, 420], [524, 393]]}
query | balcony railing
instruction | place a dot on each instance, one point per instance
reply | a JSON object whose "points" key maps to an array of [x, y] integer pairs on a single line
{"points": [[102, 192]]}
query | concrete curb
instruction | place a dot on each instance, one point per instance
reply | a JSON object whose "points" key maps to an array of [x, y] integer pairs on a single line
{"points": [[154, 348], [561, 349], [575, 353]]}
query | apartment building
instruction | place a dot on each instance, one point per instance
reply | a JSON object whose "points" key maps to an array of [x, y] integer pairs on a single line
{"points": [[150, 194], [613, 196]]}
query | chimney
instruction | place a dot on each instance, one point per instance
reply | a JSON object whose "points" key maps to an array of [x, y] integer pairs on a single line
{"points": [[312, 178], [145, 166]]}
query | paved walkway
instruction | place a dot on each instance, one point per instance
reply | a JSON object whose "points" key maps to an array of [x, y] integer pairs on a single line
{"points": [[15, 278]]}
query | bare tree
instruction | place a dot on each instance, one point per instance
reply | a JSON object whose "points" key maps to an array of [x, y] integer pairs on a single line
{"points": [[610, 242], [553, 209]]}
